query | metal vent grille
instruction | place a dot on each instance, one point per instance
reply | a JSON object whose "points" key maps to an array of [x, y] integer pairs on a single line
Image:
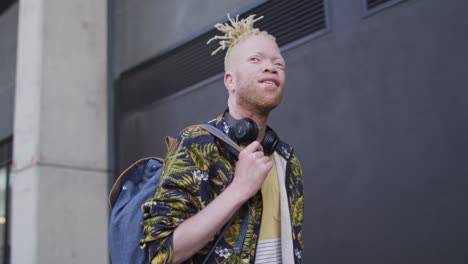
{"points": [[6, 150], [373, 6], [374, 3], [191, 62]]}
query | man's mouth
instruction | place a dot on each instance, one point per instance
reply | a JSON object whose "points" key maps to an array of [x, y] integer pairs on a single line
{"points": [[271, 81]]}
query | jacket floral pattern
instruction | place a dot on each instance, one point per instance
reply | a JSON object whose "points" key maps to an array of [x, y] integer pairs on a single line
{"points": [[198, 170]]}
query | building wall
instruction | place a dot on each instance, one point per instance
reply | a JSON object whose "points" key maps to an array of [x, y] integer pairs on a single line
{"points": [[8, 36], [376, 110], [143, 29]]}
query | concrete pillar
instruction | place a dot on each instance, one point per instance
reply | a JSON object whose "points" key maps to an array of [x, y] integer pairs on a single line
{"points": [[59, 177]]}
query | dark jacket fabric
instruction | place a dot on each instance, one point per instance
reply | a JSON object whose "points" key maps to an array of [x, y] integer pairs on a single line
{"points": [[199, 169]]}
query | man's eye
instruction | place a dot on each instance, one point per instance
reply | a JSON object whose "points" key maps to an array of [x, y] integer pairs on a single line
{"points": [[279, 65], [254, 59]]}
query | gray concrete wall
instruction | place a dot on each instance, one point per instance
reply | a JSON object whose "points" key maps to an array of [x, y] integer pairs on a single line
{"points": [[8, 35], [377, 112], [144, 29], [379, 109], [60, 169]]}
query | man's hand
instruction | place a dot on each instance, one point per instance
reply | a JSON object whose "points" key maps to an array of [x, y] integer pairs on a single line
{"points": [[251, 170]]}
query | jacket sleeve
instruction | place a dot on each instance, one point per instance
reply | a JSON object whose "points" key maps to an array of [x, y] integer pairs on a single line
{"points": [[176, 197], [298, 204]]}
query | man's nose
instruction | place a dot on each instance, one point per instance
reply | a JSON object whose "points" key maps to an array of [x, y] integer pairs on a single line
{"points": [[269, 67]]}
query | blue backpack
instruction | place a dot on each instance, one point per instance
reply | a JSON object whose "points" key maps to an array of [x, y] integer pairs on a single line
{"points": [[134, 187]]}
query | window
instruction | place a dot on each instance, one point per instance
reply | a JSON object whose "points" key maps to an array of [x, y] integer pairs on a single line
{"points": [[5, 162]]}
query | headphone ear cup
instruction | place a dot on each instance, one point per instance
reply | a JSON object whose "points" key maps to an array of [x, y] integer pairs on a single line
{"points": [[270, 142], [245, 131]]}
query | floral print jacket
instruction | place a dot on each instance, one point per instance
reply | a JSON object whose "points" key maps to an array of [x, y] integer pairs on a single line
{"points": [[195, 173]]}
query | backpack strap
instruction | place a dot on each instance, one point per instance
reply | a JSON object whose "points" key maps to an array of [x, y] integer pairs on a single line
{"points": [[221, 136]]}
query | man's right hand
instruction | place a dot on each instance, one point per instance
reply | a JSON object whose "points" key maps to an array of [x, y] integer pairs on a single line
{"points": [[251, 170]]}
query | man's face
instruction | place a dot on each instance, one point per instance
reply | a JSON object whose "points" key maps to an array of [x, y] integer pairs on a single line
{"points": [[255, 74]]}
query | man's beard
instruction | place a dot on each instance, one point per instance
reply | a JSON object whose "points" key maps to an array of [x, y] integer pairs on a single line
{"points": [[258, 105], [251, 97]]}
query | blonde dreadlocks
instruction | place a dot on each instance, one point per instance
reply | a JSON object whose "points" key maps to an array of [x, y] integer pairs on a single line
{"points": [[233, 33]]}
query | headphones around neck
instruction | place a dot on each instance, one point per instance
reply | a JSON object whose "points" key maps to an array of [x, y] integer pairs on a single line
{"points": [[245, 131]]}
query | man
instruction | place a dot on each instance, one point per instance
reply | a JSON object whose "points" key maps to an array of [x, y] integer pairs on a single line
{"points": [[204, 185]]}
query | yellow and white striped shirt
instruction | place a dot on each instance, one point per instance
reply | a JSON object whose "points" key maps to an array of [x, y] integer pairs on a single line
{"points": [[269, 244]]}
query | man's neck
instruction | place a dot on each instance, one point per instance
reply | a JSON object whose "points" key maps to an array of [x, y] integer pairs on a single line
{"points": [[260, 120]]}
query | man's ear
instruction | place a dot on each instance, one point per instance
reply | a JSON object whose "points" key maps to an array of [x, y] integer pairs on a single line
{"points": [[228, 81]]}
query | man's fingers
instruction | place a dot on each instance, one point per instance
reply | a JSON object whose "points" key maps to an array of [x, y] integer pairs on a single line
{"points": [[265, 160], [259, 154], [268, 165], [254, 146]]}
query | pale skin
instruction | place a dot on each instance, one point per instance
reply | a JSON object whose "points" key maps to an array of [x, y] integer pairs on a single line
{"points": [[254, 77]]}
